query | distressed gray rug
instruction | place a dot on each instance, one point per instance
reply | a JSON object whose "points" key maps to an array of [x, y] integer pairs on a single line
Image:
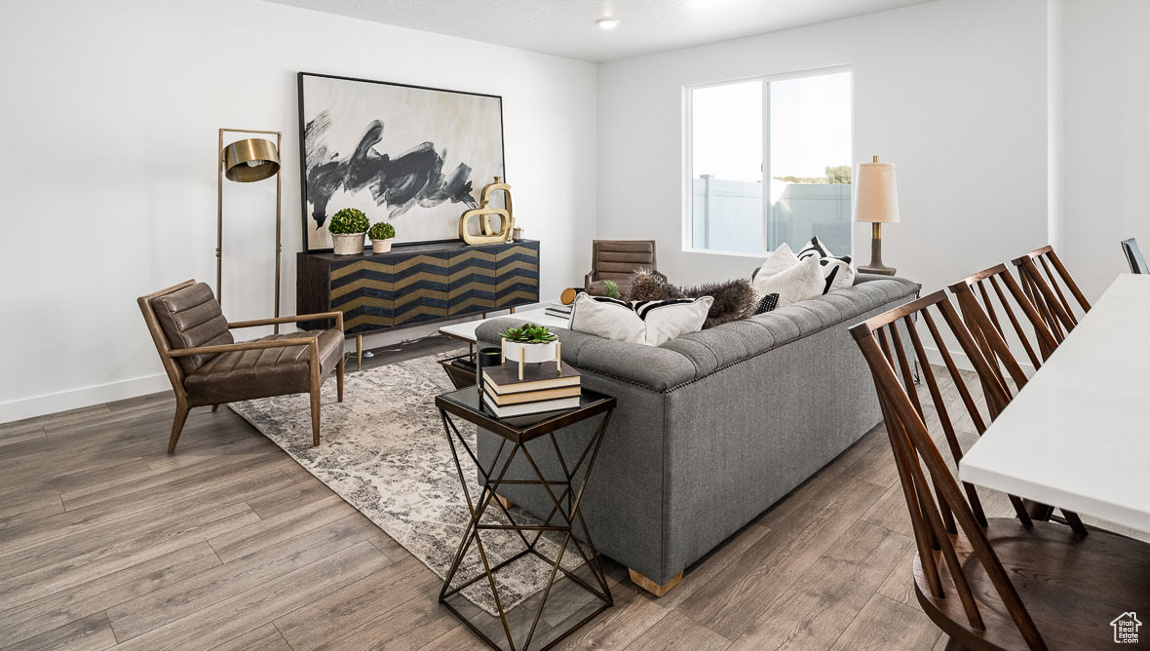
{"points": [[383, 450]]}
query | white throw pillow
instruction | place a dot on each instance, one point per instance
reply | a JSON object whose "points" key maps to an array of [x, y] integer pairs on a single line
{"points": [[778, 261], [837, 270], [800, 282], [671, 318], [608, 318]]}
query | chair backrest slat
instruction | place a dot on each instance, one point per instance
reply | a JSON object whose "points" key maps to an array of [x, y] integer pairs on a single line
{"points": [[987, 329], [1045, 291]]}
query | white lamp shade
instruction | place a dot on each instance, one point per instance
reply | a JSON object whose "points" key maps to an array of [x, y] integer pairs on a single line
{"points": [[876, 193]]}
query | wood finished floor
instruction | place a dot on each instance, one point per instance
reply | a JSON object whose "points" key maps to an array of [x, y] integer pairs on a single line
{"points": [[108, 542]]}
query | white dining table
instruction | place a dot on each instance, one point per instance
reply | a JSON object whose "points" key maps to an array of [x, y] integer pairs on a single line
{"points": [[1078, 434]]}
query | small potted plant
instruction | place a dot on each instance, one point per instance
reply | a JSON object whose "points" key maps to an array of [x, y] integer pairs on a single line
{"points": [[381, 234], [347, 228], [537, 343]]}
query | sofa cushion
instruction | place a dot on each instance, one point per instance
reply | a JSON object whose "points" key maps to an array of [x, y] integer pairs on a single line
{"points": [[767, 303], [837, 270], [797, 283], [248, 374], [609, 318], [665, 320], [190, 318]]}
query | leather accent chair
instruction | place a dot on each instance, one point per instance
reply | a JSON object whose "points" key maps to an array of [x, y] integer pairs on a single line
{"points": [[616, 260], [208, 367]]}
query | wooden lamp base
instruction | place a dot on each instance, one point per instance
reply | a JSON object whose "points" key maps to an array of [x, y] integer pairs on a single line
{"points": [[876, 266]]}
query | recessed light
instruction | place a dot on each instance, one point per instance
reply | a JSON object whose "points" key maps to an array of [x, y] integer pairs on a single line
{"points": [[607, 23]]}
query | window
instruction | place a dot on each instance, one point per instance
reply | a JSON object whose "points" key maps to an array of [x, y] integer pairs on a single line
{"points": [[742, 201]]}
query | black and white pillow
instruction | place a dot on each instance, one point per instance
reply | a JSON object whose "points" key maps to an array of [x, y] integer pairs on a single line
{"points": [[645, 322], [673, 317], [609, 318], [767, 303], [837, 270]]}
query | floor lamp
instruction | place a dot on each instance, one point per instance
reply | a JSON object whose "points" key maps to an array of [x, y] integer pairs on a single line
{"points": [[246, 161], [876, 201]]}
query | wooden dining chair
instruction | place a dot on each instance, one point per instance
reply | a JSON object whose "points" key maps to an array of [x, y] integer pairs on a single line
{"points": [[1134, 256], [977, 304], [1043, 276], [987, 582]]}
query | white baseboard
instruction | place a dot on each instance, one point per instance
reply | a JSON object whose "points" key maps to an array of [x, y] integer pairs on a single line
{"points": [[51, 403]]}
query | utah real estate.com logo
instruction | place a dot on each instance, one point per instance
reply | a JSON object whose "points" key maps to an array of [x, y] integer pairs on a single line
{"points": [[1126, 628]]}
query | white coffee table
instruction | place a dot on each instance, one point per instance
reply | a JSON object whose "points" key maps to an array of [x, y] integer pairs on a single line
{"points": [[466, 331]]}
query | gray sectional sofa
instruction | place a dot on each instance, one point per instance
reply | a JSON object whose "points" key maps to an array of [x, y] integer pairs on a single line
{"points": [[714, 427]]}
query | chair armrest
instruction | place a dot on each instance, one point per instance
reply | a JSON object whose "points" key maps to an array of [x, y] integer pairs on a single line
{"points": [[588, 279], [338, 316], [243, 345]]}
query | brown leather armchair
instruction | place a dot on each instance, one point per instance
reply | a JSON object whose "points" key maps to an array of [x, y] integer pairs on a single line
{"points": [[208, 367], [616, 260]]}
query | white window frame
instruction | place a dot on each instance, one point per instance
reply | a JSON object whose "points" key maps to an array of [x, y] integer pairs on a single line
{"points": [[688, 152]]}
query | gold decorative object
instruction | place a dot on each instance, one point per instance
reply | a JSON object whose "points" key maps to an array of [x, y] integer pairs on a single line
{"points": [[245, 161], [484, 212]]}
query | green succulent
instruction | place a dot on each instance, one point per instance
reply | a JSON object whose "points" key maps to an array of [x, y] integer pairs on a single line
{"points": [[381, 231], [529, 333], [348, 221], [611, 289]]}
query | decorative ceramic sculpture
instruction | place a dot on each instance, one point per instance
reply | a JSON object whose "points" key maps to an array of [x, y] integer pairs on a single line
{"points": [[484, 212]]}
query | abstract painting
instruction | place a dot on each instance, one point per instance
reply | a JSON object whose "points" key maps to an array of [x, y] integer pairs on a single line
{"points": [[416, 157]]}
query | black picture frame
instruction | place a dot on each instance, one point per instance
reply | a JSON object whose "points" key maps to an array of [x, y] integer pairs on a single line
{"points": [[415, 156]]}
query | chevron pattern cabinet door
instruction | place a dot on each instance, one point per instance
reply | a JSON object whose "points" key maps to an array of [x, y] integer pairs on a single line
{"points": [[418, 283]]}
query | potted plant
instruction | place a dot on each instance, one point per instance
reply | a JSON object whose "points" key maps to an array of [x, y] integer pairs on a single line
{"points": [[347, 228], [381, 234], [537, 343]]}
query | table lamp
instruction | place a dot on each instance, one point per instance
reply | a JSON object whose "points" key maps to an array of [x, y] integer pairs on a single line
{"points": [[876, 201]]}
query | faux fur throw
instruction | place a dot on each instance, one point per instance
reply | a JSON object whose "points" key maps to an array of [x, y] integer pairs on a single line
{"points": [[734, 299]]}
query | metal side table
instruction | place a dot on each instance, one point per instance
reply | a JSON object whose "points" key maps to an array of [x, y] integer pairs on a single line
{"points": [[516, 432]]}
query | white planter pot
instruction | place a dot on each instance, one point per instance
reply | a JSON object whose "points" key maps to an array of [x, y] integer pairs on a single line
{"points": [[381, 246], [532, 353], [351, 244]]}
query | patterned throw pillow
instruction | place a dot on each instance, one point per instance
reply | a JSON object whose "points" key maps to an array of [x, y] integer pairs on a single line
{"points": [[673, 317], [644, 322], [798, 283], [837, 270], [767, 304]]}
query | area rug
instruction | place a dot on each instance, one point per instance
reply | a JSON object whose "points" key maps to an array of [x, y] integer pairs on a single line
{"points": [[384, 451]]}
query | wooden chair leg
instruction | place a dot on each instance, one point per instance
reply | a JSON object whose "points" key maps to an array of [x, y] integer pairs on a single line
{"points": [[315, 415], [178, 424], [339, 380]]}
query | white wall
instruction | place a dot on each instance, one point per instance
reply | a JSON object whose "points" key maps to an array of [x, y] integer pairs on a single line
{"points": [[111, 111], [1107, 135], [953, 92]]}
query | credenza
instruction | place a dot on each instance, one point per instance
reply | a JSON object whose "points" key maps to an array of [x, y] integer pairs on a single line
{"points": [[416, 283]]}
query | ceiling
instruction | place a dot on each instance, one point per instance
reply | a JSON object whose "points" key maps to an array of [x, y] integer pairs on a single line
{"points": [[567, 27]]}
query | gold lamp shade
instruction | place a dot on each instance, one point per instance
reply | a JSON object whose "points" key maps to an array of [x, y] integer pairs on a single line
{"points": [[253, 159]]}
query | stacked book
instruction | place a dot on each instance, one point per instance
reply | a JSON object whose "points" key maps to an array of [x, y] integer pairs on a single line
{"points": [[543, 388], [558, 309]]}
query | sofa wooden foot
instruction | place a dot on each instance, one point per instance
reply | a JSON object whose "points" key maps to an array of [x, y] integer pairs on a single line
{"points": [[651, 586], [504, 501]]}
